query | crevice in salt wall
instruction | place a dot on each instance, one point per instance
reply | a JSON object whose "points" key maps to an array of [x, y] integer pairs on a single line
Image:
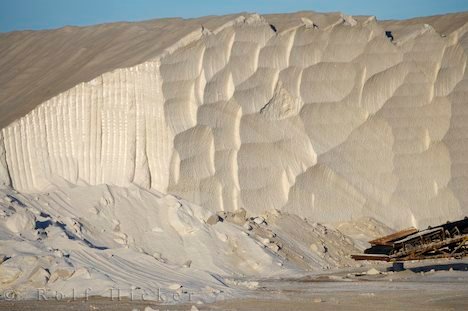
{"points": [[330, 124], [4, 172]]}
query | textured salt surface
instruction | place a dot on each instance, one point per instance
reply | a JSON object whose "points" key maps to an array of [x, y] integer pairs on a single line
{"points": [[102, 237], [120, 142], [328, 122]]}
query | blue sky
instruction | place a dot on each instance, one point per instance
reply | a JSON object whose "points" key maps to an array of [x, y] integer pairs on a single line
{"points": [[46, 14]]}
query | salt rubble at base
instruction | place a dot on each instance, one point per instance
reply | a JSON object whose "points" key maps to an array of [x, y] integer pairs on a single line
{"points": [[102, 237]]}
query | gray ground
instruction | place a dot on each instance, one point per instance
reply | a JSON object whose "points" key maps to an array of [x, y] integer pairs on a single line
{"points": [[438, 285]]}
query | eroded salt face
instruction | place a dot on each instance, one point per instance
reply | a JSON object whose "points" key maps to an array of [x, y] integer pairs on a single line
{"points": [[296, 119], [325, 122]]}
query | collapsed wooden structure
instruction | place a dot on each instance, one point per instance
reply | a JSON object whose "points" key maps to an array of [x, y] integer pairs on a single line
{"points": [[444, 241]]}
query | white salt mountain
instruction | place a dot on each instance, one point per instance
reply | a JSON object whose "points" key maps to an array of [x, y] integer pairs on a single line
{"points": [[324, 117]]}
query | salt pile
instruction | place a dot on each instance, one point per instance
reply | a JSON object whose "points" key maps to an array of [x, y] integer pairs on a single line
{"points": [[190, 155], [126, 238]]}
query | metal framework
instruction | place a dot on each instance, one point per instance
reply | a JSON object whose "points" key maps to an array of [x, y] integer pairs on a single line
{"points": [[449, 240]]}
